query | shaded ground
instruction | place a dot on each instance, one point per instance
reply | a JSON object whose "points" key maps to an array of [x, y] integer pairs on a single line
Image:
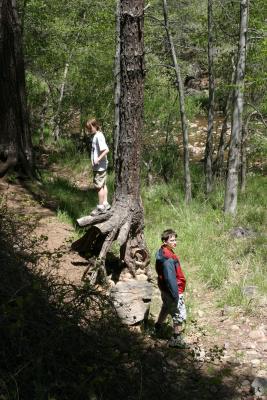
{"points": [[230, 348]]}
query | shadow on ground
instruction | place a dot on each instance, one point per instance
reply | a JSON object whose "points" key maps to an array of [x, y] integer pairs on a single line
{"points": [[60, 194], [62, 342]]}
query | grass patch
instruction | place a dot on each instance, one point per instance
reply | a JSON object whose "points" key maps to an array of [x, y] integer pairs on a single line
{"points": [[207, 249]]}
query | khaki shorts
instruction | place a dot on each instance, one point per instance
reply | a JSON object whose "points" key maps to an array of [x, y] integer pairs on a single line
{"points": [[100, 178]]}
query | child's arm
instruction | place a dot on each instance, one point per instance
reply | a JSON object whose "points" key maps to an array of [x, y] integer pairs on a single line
{"points": [[170, 278], [102, 154]]}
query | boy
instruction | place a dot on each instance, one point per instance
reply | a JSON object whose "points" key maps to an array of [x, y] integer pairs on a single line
{"points": [[171, 282], [99, 161]]}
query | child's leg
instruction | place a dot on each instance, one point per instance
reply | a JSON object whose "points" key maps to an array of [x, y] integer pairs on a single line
{"points": [[178, 318], [102, 195], [162, 315], [101, 186], [165, 309]]}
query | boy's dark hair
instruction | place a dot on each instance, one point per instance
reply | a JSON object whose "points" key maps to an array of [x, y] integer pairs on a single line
{"points": [[167, 233]]}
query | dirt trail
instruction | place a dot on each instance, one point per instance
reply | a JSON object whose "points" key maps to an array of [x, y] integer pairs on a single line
{"points": [[243, 338], [59, 235]]}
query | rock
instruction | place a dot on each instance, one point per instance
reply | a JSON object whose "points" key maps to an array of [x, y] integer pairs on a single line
{"points": [[126, 276], [245, 389], [252, 353], [262, 373], [227, 310], [248, 345], [141, 277], [200, 313], [250, 291], [259, 386], [172, 363], [235, 328], [246, 382], [255, 362], [240, 232], [263, 344], [132, 300], [257, 333]]}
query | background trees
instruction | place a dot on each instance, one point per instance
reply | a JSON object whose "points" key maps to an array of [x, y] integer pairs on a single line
{"points": [[69, 58]]}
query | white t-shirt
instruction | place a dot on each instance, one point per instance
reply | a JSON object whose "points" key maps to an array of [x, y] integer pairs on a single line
{"points": [[98, 145]]}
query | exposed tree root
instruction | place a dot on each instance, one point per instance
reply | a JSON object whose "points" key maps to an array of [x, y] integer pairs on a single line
{"points": [[124, 223]]}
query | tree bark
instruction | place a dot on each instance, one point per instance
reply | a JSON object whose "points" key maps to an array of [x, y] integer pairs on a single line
{"points": [[219, 162], [15, 138], [180, 87], [230, 200], [209, 142], [117, 85], [125, 221], [56, 132], [245, 135]]}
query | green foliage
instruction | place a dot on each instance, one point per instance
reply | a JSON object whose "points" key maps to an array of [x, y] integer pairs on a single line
{"points": [[56, 35]]}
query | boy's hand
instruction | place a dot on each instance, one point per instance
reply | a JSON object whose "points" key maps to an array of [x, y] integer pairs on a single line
{"points": [[96, 161]]}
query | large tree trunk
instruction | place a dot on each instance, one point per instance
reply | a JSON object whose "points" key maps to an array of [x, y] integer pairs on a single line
{"points": [[125, 220], [179, 82], [117, 88], [15, 138], [209, 142], [230, 200]]}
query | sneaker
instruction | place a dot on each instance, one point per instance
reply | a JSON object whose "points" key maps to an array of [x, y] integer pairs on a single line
{"points": [[107, 206], [178, 342]]}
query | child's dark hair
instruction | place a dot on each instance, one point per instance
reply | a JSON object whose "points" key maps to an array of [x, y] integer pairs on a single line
{"points": [[167, 233]]}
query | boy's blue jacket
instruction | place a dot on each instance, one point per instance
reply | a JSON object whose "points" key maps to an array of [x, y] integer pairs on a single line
{"points": [[167, 273]]}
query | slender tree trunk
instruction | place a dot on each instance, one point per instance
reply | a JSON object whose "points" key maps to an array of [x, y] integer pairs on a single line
{"points": [[209, 142], [57, 117], [187, 177], [15, 138], [56, 132], [117, 85], [125, 221], [230, 200], [245, 134], [243, 171], [219, 162], [42, 122]]}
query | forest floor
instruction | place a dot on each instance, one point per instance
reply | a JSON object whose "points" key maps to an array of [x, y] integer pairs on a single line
{"points": [[228, 355]]}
